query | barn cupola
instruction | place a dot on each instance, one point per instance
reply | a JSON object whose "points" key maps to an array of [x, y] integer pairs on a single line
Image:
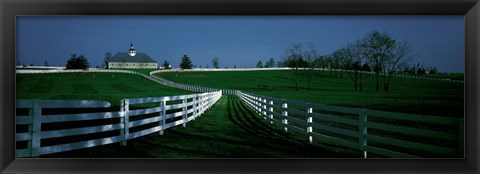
{"points": [[131, 51]]}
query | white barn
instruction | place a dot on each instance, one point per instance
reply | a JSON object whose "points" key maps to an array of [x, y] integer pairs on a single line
{"points": [[131, 60]]}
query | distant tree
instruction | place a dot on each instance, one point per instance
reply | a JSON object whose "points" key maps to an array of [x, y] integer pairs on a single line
{"points": [[77, 62], [366, 67], [270, 63], [259, 64], [293, 59], [354, 52], [166, 65], [320, 62], [234, 66], [340, 60], [421, 70], [107, 58], [280, 63], [207, 67], [186, 63], [215, 63], [45, 63], [398, 58], [310, 55], [433, 70], [377, 49]]}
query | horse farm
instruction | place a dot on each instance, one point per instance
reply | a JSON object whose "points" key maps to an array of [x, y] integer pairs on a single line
{"points": [[235, 113]]}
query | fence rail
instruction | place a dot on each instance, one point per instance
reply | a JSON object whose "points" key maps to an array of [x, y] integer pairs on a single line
{"points": [[128, 123], [376, 132]]}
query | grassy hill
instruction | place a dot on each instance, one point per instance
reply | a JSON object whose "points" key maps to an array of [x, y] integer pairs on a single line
{"points": [[111, 87], [406, 95]]}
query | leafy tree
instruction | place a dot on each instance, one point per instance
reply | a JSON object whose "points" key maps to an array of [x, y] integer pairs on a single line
{"points": [[234, 66], [340, 59], [259, 64], [45, 63], [186, 63], [107, 58], [421, 70], [216, 63], [77, 62], [320, 62], [433, 70], [280, 63], [366, 67], [270, 63], [166, 65]]}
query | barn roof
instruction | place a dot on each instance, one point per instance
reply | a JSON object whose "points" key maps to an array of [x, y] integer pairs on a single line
{"points": [[139, 57]]}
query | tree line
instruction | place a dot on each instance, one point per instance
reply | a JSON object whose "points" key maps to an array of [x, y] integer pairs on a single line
{"points": [[376, 52]]}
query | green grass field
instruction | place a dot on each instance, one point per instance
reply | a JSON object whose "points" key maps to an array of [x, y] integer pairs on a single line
{"points": [[416, 96], [229, 128], [111, 87]]}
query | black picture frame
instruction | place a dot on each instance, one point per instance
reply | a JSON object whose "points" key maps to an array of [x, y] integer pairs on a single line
{"points": [[9, 9]]}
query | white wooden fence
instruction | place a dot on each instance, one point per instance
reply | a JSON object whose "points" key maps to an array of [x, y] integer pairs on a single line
{"points": [[352, 127], [128, 122]]}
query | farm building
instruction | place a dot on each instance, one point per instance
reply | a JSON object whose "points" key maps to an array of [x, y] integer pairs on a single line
{"points": [[131, 60]]}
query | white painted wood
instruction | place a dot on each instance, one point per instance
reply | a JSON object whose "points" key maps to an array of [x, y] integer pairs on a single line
{"points": [[309, 123], [285, 115], [270, 109], [125, 120], [36, 129], [80, 117], [81, 131]]}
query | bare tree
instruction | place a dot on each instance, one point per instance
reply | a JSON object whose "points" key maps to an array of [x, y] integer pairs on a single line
{"points": [[356, 59], [310, 56], [292, 58], [377, 48], [398, 59]]}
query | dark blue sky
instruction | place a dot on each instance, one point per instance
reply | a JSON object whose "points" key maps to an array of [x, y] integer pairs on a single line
{"points": [[236, 40]]}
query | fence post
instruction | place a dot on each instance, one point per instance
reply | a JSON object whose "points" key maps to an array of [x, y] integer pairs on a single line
{"points": [[194, 107], [309, 123], [124, 109], [362, 130], [163, 115], [271, 111], [284, 114], [264, 109], [184, 101], [36, 128]]}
